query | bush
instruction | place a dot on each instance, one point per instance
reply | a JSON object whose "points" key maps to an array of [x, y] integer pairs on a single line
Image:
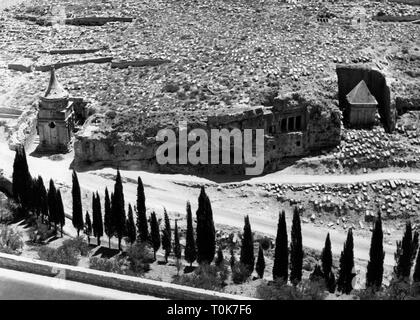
{"points": [[78, 244], [305, 290], [396, 290], [240, 273], [367, 294], [7, 210], [41, 232], [10, 240], [265, 243], [140, 255], [63, 254], [108, 265], [206, 276]]}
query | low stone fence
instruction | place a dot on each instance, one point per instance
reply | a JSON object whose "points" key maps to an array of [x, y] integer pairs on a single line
{"points": [[111, 280], [139, 63], [80, 21], [387, 18]]}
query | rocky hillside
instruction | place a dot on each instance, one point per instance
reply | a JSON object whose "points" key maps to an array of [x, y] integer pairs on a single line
{"points": [[213, 56]]}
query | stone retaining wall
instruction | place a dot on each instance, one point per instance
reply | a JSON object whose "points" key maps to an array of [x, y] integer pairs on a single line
{"points": [[111, 280]]}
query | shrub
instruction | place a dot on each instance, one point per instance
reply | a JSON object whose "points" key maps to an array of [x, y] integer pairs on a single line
{"points": [[278, 290], [206, 276], [78, 244], [63, 254], [10, 240], [223, 271], [396, 290], [367, 294], [265, 243], [400, 290], [41, 232], [108, 265], [240, 273], [7, 210], [140, 256]]}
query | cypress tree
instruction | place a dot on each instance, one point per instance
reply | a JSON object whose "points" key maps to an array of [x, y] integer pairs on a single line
{"points": [[190, 252], [281, 251], [118, 209], [346, 273], [247, 249], [154, 233], [26, 183], [17, 176], [206, 233], [317, 274], [375, 267], [97, 224], [326, 258], [166, 236], [296, 249], [131, 227], [414, 247], [219, 257], [177, 246], [43, 198], [61, 216], [77, 216], [403, 255], [109, 227], [34, 197], [416, 275], [21, 179], [331, 282], [260, 266], [36, 204], [88, 227], [232, 260], [141, 212], [52, 203]]}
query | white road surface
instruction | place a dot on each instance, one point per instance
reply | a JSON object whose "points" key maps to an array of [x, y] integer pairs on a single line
{"points": [[15, 285]]}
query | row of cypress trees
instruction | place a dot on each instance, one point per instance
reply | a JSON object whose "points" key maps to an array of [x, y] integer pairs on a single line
{"points": [[32, 195], [113, 223], [405, 255], [200, 247], [48, 204], [281, 251]]}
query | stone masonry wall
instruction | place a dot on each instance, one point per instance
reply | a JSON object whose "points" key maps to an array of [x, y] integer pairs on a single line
{"points": [[111, 280], [319, 127]]}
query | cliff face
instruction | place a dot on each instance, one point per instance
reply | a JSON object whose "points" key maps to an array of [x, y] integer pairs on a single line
{"points": [[97, 142], [319, 128], [322, 118], [324, 128], [350, 75]]}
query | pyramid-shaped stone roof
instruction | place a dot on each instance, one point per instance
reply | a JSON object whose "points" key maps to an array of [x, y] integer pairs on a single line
{"points": [[55, 89], [361, 95]]}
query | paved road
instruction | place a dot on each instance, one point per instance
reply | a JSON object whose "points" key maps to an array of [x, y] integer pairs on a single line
{"points": [[15, 285]]}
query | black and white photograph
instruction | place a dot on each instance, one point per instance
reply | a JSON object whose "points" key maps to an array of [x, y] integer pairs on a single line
{"points": [[202, 157]]}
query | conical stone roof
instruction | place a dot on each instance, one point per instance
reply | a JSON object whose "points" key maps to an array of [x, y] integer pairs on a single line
{"points": [[55, 90], [361, 95]]}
